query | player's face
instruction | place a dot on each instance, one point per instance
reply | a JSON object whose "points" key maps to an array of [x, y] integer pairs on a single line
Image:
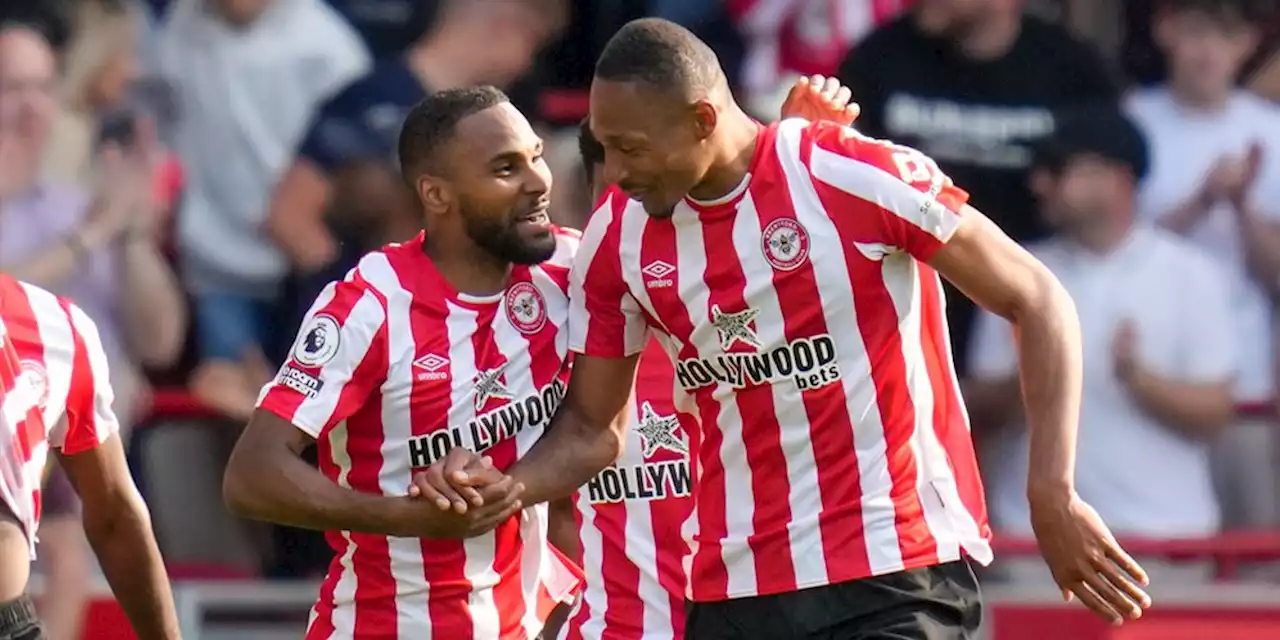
{"points": [[502, 185], [652, 146], [1205, 52], [1089, 189]]}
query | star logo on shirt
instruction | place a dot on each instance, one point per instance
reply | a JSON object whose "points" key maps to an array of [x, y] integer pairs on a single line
{"points": [[659, 432], [735, 327], [489, 385]]}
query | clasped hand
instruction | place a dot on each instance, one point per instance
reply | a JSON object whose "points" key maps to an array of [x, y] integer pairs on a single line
{"points": [[472, 495]]}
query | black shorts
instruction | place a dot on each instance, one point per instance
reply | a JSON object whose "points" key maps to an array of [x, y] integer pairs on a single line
{"points": [[18, 620], [933, 603]]}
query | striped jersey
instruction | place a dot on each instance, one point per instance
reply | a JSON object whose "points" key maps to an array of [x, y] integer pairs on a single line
{"points": [[56, 393], [629, 518], [393, 367], [829, 440]]}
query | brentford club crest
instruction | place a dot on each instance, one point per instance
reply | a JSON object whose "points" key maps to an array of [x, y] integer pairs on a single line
{"points": [[526, 308], [785, 244]]}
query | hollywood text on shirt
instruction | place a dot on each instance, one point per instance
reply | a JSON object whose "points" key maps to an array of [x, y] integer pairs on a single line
{"points": [[491, 427], [809, 362], [664, 473]]}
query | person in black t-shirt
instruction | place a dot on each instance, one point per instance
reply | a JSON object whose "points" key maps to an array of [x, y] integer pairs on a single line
{"points": [[975, 85]]}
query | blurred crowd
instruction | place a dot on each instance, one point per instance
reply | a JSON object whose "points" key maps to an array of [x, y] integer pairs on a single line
{"points": [[192, 172]]}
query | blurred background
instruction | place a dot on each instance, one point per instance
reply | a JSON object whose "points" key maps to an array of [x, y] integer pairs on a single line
{"points": [[192, 172]]}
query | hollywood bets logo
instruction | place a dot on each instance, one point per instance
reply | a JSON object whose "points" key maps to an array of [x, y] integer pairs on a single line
{"points": [[664, 472], [491, 427], [810, 362]]}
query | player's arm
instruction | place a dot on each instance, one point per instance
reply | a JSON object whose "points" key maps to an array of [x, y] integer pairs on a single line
{"points": [[607, 333], [116, 520]]}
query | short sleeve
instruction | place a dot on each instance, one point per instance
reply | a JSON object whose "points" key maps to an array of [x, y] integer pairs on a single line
{"points": [[88, 419], [604, 319], [901, 197], [1211, 352], [338, 358], [993, 353]]}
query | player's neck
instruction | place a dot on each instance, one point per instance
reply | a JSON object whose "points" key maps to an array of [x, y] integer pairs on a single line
{"points": [[466, 268], [736, 147]]}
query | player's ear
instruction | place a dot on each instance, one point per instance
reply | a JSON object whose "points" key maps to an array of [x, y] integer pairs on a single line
{"points": [[705, 118], [433, 192]]}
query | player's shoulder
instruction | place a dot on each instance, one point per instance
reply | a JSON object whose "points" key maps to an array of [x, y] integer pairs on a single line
{"points": [[567, 242], [43, 324], [830, 149], [606, 218]]}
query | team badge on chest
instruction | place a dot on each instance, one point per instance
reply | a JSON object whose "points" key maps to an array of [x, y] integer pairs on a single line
{"points": [[785, 243], [526, 307]]}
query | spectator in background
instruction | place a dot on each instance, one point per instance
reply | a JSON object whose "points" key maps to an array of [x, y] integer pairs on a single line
{"points": [[249, 75], [1215, 179], [791, 38], [99, 66], [473, 42], [97, 247], [388, 27], [1159, 348], [974, 84]]}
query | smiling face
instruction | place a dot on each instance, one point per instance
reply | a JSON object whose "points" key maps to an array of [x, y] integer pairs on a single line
{"points": [[653, 142], [500, 185]]}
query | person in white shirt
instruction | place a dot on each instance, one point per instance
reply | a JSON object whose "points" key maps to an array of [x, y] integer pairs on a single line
{"points": [[249, 76], [1159, 353], [1215, 179]]}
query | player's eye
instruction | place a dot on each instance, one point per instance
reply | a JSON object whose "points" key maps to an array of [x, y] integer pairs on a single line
{"points": [[504, 170]]}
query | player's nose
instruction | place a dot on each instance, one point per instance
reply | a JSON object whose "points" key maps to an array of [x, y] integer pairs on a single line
{"points": [[537, 181], [614, 172]]}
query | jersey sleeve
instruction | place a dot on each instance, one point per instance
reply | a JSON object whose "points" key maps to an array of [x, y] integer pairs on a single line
{"points": [[901, 196], [88, 419], [605, 321], [338, 358]]}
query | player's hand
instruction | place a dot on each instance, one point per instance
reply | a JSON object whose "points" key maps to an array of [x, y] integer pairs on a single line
{"points": [[463, 480], [1085, 559], [820, 98], [422, 519]]}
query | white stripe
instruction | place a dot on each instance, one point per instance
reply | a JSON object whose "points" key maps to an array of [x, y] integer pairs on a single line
{"points": [[592, 236], [634, 222], [478, 566], [832, 276], [344, 590], [595, 597], [901, 280], [805, 500], [104, 418], [873, 184], [394, 475], [691, 258]]}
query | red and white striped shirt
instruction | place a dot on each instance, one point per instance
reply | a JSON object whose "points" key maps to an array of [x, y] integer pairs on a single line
{"points": [[56, 391], [391, 369], [629, 520], [829, 439]]}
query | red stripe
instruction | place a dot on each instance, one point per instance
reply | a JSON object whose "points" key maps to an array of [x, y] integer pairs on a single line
{"points": [[322, 627], [707, 571], [831, 430], [605, 336], [508, 546], [948, 410], [443, 561], [81, 414], [878, 324], [761, 432]]}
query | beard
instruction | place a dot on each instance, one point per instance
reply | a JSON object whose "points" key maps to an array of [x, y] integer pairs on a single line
{"points": [[501, 239]]}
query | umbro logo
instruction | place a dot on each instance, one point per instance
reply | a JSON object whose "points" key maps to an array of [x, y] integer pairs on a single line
{"points": [[431, 367], [657, 272]]}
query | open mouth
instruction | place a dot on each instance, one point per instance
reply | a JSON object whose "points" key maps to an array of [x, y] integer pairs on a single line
{"points": [[538, 217]]}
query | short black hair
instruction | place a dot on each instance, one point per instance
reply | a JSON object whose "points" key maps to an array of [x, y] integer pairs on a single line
{"points": [[591, 150], [663, 54], [431, 123], [1231, 11]]}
